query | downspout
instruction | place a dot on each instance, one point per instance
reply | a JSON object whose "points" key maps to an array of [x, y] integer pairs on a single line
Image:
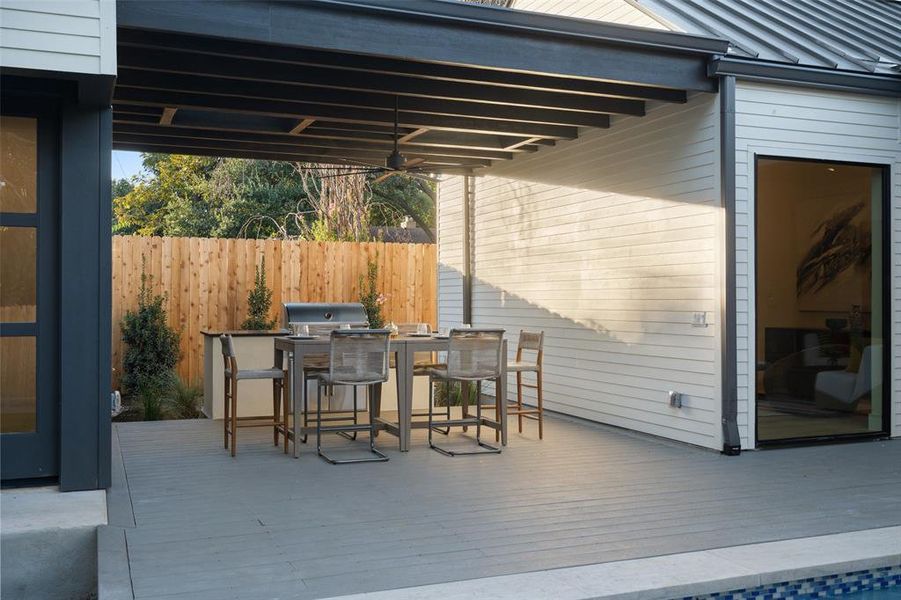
{"points": [[468, 193], [731, 437]]}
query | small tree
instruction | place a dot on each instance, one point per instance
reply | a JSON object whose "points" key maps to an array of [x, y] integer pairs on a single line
{"points": [[259, 301], [151, 352], [370, 297]]}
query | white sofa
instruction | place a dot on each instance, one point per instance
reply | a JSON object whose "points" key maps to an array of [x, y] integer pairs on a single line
{"points": [[843, 390]]}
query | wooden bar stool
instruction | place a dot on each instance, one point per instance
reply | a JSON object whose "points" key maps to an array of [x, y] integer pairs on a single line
{"points": [[529, 342], [232, 376]]}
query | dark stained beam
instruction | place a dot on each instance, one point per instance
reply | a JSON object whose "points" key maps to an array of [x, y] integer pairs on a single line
{"points": [[383, 65], [152, 80], [150, 146], [337, 131], [448, 33], [188, 63], [324, 112], [299, 143]]}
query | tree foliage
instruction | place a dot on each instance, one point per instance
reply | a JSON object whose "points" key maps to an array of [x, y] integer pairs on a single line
{"points": [[227, 197]]}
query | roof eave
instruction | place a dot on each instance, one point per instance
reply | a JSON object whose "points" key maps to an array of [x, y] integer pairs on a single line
{"points": [[806, 76]]}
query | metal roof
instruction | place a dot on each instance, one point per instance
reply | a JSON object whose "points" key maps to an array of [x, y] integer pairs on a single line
{"points": [[846, 35]]}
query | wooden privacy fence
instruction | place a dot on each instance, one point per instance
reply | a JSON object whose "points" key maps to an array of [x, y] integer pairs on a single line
{"points": [[207, 280]]}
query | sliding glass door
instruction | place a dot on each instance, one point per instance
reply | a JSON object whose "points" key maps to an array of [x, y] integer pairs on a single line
{"points": [[820, 300]]}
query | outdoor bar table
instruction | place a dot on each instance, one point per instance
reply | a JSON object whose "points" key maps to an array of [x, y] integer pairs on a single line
{"points": [[405, 348]]}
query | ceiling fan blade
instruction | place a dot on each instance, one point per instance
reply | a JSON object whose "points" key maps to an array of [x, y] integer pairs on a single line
{"points": [[347, 173], [383, 177]]}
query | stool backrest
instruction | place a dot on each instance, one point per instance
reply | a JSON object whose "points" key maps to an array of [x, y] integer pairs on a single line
{"points": [[359, 356], [474, 354], [228, 353], [531, 341]]}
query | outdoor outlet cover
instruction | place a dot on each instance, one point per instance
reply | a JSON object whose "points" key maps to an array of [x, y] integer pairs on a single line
{"points": [[699, 319], [675, 399]]}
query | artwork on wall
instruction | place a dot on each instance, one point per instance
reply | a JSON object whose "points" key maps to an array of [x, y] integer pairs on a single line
{"points": [[834, 270]]}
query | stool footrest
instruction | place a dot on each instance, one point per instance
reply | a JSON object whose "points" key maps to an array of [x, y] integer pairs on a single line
{"points": [[349, 427]]}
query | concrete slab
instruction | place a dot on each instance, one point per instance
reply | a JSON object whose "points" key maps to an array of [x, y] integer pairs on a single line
{"points": [[48, 545]]}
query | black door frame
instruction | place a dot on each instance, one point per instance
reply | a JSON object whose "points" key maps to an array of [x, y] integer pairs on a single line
{"points": [[35, 455], [886, 305]]}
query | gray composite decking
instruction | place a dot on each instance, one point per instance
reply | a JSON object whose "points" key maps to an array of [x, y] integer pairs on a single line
{"points": [[267, 526]]}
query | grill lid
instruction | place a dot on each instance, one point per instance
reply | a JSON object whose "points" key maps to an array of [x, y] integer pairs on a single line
{"points": [[323, 312]]}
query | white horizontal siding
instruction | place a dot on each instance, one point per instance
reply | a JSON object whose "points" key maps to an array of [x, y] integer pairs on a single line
{"points": [[76, 36], [808, 123], [611, 11], [450, 252], [608, 244]]}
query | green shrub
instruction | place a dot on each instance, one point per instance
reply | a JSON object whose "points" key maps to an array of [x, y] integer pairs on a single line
{"points": [[452, 393], [259, 301], [151, 351], [370, 297], [184, 400]]}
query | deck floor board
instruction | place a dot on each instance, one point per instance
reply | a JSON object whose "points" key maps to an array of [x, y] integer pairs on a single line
{"points": [[200, 524]]}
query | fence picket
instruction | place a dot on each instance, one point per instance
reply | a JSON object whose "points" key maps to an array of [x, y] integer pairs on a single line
{"points": [[206, 282]]}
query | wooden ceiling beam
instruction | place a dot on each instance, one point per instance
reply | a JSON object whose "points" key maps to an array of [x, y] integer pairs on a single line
{"points": [[324, 112], [251, 90]]}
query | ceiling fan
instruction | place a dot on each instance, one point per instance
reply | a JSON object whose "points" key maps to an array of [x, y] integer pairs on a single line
{"points": [[395, 163]]}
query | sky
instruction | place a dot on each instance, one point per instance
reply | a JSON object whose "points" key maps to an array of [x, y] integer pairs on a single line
{"points": [[126, 164]]}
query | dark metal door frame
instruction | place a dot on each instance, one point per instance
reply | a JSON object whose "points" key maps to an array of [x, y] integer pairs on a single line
{"points": [[888, 330], [35, 455]]}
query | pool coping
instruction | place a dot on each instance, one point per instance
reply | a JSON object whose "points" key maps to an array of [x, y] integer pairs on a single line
{"points": [[677, 575]]}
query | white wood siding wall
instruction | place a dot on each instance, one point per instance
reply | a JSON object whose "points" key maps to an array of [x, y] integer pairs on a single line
{"points": [[73, 36], [807, 123], [612, 11], [609, 245], [450, 252]]}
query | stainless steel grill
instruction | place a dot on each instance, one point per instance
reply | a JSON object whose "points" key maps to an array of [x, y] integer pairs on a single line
{"points": [[324, 313]]}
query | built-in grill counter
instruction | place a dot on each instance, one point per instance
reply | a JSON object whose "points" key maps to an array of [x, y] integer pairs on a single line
{"points": [[254, 349]]}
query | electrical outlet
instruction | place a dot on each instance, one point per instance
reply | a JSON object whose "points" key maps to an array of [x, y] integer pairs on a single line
{"points": [[699, 319], [675, 399]]}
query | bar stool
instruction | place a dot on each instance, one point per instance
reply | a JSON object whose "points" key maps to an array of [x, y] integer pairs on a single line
{"points": [[421, 367], [472, 355], [357, 357], [232, 376], [529, 341]]}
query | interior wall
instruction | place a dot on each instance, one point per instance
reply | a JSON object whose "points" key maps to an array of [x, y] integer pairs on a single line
{"points": [[794, 199]]}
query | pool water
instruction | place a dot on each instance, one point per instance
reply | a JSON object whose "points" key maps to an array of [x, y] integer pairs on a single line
{"points": [[892, 593]]}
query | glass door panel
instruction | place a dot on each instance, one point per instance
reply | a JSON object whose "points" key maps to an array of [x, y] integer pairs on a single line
{"points": [[820, 300], [28, 394]]}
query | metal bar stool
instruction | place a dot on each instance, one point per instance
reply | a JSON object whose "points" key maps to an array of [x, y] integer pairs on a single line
{"points": [[314, 366], [232, 376], [357, 357], [529, 341], [421, 367], [472, 355]]}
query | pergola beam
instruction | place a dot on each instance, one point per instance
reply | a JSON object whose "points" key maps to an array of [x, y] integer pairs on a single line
{"points": [[447, 33], [189, 63], [298, 144], [325, 112], [332, 131], [385, 65], [252, 90], [350, 160]]}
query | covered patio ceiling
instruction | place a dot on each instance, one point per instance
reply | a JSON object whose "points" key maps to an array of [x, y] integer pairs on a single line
{"points": [[322, 80]]}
